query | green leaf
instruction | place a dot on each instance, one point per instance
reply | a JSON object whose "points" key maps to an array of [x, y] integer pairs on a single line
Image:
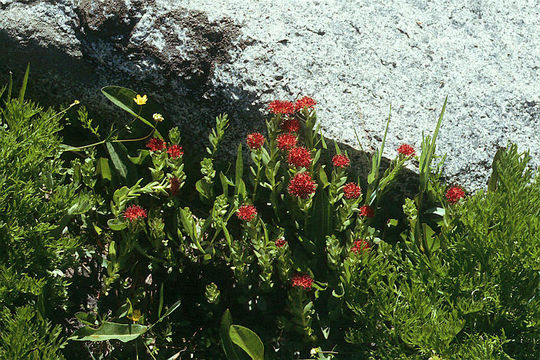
{"points": [[239, 183], [432, 242], [494, 178], [139, 159], [103, 169], [119, 165], [320, 222], [323, 177], [377, 157], [10, 86], [109, 331], [117, 224], [160, 308], [123, 98], [248, 341], [172, 309], [122, 164], [228, 347], [86, 318], [24, 83], [437, 211]]}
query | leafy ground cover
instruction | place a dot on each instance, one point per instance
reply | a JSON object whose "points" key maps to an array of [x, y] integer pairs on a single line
{"points": [[125, 248]]}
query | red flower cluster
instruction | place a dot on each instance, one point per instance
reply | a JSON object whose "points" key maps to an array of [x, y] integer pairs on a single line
{"points": [[286, 142], [255, 141], [281, 107], [406, 150], [304, 281], [352, 191], [366, 211], [174, 185], [134, 212], [360, 245], [302, 185], [290, 125], [156, 144], [454, 194], [306, 101], [341, 161], [246, 212], [299, 157], [281, 242], [175, 151]]}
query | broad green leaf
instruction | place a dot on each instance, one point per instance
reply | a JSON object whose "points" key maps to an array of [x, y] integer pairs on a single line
{"points": [[122, 164], [117, 224], [109, 331], [432, 242], [123, 98], [103, 169], [437, 211], [139, 159], [248, 341], [119, 165], [228, 347], [323, 177], [86, 318]]}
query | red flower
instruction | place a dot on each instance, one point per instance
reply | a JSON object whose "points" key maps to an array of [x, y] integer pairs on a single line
{"points": [[246, 212], [367, 211], [454, 194], [304, 281], [134, 212], [175, 151], [352, 191], [299, 157], [302, 185], [360, 245], [281, 242], [290, 125], [406, 150], [341, 161], [281, 107], [156, 144], [255, 141], [286, 142], [306, 101], [174, 185]]}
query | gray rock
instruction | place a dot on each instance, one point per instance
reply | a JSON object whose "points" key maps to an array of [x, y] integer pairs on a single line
{"points": [[202, 57]]}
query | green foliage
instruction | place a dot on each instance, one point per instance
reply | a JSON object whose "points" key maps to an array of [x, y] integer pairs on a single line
{"points": [[243, 337], [476, 298], [124, 232], [26, 335], [38, 204]]}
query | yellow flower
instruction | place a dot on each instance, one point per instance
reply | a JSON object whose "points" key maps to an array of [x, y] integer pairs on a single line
{"points": [[315, 351], [76, 102], [140, 100], [158, 117], [135, 316]]}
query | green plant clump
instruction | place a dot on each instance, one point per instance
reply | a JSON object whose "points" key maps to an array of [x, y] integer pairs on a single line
{"points": [[123, 249]]}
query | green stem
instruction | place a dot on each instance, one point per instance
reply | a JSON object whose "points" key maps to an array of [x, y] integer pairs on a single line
{"points": [[257, 177]]}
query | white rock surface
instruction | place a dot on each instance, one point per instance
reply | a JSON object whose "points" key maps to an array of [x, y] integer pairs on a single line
{"points": [[358, 57]]}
